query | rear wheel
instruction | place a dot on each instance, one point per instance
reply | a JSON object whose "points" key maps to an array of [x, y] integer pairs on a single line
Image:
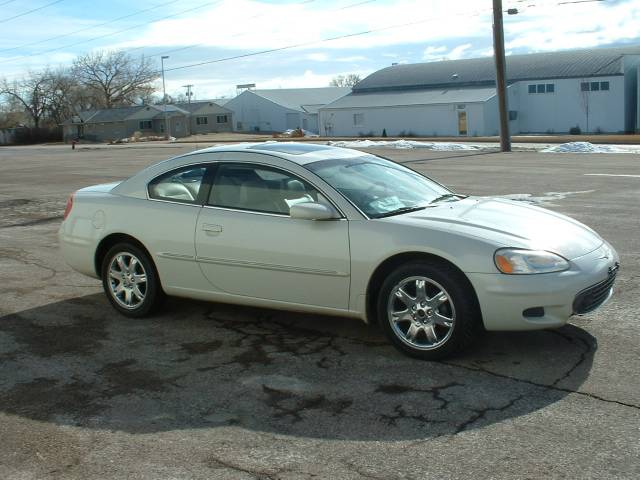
{"points": [[428, 311], [130, 280]]}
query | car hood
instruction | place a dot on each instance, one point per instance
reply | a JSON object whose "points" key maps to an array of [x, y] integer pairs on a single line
{"points": [[510, 223]]}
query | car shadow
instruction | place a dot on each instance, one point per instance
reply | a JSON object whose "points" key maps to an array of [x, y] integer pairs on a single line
{"points": [[202, 365]]}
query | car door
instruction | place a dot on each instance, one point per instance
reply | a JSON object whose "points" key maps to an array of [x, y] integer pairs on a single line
{"points": [[247, 244], [167, 224]]}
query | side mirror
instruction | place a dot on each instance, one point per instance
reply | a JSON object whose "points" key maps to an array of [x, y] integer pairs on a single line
{"points": [[312, 211]]}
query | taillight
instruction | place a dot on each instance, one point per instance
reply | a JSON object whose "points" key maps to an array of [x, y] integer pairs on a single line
{"points": [[69, 206]]}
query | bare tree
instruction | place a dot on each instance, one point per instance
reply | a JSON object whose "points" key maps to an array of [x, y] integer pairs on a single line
{"points": [[64, 95], [345, 81], [31, 94], [115, 78]]}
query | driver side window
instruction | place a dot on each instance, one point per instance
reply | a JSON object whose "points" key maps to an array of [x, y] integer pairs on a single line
{"points": [[259, 189], [179, 185]]}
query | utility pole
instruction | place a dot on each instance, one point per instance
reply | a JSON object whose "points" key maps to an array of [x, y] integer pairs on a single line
{"points": [[188, 87], [501, 82], [167, 128]]}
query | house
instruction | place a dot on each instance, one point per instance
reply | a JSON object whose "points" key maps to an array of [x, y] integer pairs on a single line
{"points": [[595, 90], [116, 123], [207, 116], [278, 110]]}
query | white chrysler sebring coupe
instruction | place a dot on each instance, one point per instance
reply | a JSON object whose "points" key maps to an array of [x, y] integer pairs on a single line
{"points": [[336, 231]]}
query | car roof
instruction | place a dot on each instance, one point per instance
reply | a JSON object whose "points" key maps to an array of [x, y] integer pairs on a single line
{"points": [[297, 152]]}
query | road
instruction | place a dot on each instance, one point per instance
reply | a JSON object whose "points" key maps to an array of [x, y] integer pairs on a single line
{"points": [[217, 391]]}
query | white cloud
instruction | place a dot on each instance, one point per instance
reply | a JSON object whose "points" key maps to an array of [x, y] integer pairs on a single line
{"points": [[353, 58], [318, 57], [274, 25], [433, 53], [459, 52]]}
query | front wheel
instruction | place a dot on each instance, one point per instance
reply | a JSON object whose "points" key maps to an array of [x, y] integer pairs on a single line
{"points": [[130, 280], [428, 311]]}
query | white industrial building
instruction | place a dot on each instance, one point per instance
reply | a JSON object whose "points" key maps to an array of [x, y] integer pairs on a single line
{"points": [[277, 110], [596, 90]]}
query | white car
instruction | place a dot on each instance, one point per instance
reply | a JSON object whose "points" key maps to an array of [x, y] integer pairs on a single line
{"points": [[335, 231]]}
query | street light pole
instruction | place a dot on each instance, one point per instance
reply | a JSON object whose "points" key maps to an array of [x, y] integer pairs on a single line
{"points": [[167, 128], [501, 82]]}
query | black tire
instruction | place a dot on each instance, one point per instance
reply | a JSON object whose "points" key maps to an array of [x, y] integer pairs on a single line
{"points": [[153, 294], [461, 305]]}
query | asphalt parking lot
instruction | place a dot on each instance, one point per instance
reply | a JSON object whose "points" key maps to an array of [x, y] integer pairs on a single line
{"points": [[207, 391]]}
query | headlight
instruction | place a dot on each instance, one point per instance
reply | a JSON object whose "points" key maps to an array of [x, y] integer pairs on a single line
{"points": [[515, 261]]}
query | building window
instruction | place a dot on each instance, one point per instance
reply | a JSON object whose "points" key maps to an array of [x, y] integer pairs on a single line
{"points": [[202, 120], [584, 86], [604, 85], [221, 119], [358, 119], [595, 86], [542, 88], [146, 125]]}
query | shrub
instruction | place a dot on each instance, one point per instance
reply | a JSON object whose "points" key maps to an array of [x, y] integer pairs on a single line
{"points": [[384, 132], [405, 133], [575, 130], [25, 136]]}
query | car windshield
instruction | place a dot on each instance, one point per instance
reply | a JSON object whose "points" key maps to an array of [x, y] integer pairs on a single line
{"points": [[379, 187]]}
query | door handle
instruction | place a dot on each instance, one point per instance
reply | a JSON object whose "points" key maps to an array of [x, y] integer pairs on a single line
{"points": [[211, 228]]}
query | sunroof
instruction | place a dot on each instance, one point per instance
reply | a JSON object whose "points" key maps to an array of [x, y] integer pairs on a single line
{"points": [[291, 148]]}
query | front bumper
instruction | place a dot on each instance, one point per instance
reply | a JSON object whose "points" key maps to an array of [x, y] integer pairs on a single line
{"points": [[504, 298]]}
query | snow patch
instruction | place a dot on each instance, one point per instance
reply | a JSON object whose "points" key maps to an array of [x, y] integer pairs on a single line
{"points": [[404, 144], [584, 147]]}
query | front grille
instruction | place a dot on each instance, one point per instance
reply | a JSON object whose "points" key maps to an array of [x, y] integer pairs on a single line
{"points": [[592, 297]]}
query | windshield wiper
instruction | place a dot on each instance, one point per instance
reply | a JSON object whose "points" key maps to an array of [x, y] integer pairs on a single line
{"points": [[398, 211], [445, 196]]}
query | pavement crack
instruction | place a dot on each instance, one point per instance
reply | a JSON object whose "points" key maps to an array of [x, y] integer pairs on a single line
{"points": [[22, 256], [586, 349], [435, 392], [30, 223], [540, 385], [479, 414]]}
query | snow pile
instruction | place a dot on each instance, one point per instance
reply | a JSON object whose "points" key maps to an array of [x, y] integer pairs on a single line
{"points": [[584, 147], [404, 144]]}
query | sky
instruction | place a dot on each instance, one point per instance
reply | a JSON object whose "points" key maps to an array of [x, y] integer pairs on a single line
{"points": [[194, 31]]}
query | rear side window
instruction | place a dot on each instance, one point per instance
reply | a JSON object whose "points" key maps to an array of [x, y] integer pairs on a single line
{"points": [[260, 189], [181, 185]]}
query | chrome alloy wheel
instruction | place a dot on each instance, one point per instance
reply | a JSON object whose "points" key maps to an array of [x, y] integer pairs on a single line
{"points": [[421, 313], [127, 280]]}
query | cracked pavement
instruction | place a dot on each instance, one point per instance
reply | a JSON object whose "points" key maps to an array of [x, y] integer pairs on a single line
{"points": [[207, 390]]}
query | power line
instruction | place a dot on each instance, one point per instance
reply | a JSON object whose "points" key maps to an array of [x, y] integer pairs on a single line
{"points": [[29, 11], [112, 33], [6, 3], [86, 28], [249, 18], [195, 45], [312, 42]]}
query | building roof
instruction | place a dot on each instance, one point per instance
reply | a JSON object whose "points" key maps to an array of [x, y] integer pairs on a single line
{"points": [[112, 114], [220, 101], [481, 71], [197, 105], [413, 97], [303, 99]]}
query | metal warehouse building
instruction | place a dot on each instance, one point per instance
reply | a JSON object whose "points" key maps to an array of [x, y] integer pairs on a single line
{"points": [[277, 110], [596, 90]]}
